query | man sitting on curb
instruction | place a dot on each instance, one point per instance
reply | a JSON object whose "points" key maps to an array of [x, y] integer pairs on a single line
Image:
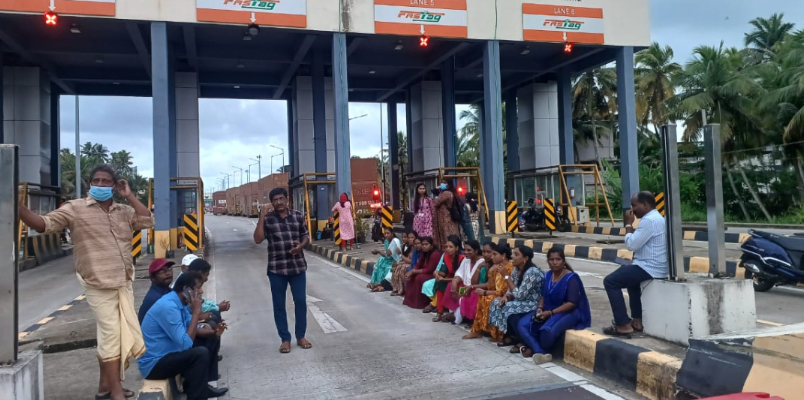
{"points": [[169, 329], [209, 309], [649, 244], [161, 273]]}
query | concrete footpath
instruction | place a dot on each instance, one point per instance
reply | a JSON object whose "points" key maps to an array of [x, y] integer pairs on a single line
{"points": [[68, 338]]}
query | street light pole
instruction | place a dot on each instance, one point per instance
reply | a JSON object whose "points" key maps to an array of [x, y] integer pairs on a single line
{"points": [[227, 180], [249, 172], [77, 151], [241, 174], [283, 157], [382, 151], [259, 166]]}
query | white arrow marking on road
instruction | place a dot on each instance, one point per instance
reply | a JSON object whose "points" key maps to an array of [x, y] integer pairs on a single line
{"points": [[565, 36], [253, 18], [311, 299], [422, 29], [235, 229], [327, 323], [52, 5]]}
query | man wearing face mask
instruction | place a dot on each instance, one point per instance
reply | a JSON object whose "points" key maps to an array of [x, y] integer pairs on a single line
{"points": [[101, 232]]}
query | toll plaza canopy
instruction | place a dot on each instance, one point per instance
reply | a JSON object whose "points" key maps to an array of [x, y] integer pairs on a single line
{"points": [[318, 55], [102, 47]]}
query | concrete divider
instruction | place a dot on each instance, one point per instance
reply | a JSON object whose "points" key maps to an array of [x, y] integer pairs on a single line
{"points": [[45, 247], [155, 390], [768, 360], [693, 235]]}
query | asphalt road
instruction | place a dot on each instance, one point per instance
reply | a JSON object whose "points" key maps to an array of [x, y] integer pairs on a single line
{"points": [[366, 345]]}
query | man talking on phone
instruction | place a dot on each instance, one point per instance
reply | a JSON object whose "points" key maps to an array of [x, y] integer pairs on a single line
{"points": [[287, 235], [101, 231], [170, 327], [649, 245]]}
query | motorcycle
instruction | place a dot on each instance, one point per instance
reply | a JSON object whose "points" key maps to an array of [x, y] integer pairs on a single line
{"points": [[533, 219], [770, 260]]}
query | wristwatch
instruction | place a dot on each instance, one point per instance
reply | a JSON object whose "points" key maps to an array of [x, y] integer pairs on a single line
{"points": [[629, 226]]}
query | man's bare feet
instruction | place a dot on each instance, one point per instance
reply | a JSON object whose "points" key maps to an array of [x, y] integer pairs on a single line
{"points": [[304, 343], [472, 335]]}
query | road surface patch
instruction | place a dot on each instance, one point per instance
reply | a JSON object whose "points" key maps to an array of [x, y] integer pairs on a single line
{"points": [[61, 310]]}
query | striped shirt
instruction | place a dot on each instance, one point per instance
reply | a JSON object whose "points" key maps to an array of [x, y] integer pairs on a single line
{"points": [[283, 234], [101, 240], [649, 244]]}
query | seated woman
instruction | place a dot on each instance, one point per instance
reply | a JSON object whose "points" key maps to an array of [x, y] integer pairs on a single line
{"points": [[421, 273], [460, 297], [524, 290], [496, 287], [392, 254], [477, 329], [401, 267], [446, 272], [563, 306]]}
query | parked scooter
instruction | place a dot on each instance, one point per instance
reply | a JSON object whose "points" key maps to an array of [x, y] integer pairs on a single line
{"points": [[532, 220], [770, 259]]}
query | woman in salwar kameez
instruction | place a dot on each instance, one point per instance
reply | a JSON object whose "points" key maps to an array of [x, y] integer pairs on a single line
{"points": [[391, 254], [496, 287], [401, 268], [524, 291], [445, 273], [460, 297], [421, 273]]}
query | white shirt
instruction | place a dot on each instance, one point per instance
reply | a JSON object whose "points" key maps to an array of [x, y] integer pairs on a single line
{"points": [[466, 271], [649, 244]]}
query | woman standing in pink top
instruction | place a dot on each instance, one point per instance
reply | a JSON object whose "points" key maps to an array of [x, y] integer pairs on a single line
{"points": [[347, 223], [423, 212]]}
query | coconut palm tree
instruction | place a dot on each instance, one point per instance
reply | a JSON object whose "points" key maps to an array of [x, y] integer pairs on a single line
{"points": [[122, 162], [593, 100], [717, 88], [767, 33], [654, 74]]}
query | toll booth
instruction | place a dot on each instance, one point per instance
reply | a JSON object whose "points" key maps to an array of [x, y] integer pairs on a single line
{"points": [[466, 180], [303, 189], [190, 211], [574, 188], [40, 199]]}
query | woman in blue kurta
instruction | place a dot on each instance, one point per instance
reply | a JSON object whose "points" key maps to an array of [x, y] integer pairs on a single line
{"points": [[563, 306]]}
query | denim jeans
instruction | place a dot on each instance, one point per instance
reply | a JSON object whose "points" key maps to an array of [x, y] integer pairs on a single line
{"points": [[298, 290], [626, 277]]}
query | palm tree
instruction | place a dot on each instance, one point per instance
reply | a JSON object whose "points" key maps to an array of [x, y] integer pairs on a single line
{"points": [[655, 74], [717, 88], [122, 162], [593, 100], [468, 146], [767, 33]]}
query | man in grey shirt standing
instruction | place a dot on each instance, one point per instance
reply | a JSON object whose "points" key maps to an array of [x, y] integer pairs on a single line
{"points": [[649, 245]]}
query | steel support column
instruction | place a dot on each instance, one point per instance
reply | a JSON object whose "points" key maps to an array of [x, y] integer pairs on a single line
{"points": [[176, 217], [511, 137], [160, 81], [55, 134], [9, 251], [672, 199], [393, 149], [566, 138], [448, 110], [340, 83], [714, 201], [320, 138], [626, 104], [409, 129], [491, 137], [2, 135], [291, 147]]}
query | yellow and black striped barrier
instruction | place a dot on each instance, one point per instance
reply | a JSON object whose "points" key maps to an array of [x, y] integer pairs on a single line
{"points": [[136, 246], [44, 247], [660, 202], [191, 232], [337, 229], [549, 214], [387, 217], [512, 216]]}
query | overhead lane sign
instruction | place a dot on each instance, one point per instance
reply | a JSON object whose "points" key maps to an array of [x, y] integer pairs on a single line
{"points": [[444, 18], [557, 23], [288, 13], [106, 8]]}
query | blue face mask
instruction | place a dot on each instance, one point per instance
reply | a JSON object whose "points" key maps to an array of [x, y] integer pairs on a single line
{"points": [[443, 186], [100, 193]]}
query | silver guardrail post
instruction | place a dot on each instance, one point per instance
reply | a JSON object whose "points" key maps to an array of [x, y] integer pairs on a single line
{"points": [[675, 236], [714, 201], [9, 225]]}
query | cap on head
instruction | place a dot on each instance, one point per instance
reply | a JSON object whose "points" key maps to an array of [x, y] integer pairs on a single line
{"points": [[158, 264], [188, 259]]}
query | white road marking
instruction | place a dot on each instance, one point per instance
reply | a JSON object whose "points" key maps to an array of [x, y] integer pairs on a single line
{"points": [[327, 323], [344, 269], [769, 323], [563, 373], [235, 229], [254, 223], [601, 393], [311, 299]]}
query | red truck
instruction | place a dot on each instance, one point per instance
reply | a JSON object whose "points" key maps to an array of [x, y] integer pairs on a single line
{"points": [[219, 203]]}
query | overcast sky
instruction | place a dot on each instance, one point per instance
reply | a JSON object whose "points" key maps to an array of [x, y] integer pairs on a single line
{"points": [[232, 131]]}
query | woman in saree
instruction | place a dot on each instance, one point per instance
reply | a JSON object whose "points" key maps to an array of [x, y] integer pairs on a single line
{"points": [[443, 224], [401, 267], [421, 273], [496, 287], [446, 272], [563, 306], [460, 297], [391, 254], [524, 291]]}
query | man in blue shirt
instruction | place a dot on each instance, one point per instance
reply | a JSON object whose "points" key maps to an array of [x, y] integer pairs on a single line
{"points": [[161, 272], [169, 329], [649, 244]]}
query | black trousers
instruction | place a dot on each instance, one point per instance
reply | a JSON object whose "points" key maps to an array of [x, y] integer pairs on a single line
{"points": [[192, 364], [213, 346]]}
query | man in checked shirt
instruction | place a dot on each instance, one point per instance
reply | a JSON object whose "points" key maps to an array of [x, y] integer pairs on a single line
{"points": [[286, 233]]}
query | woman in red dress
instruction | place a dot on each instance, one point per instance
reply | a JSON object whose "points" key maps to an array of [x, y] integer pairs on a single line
{"points": [[421, 273]]}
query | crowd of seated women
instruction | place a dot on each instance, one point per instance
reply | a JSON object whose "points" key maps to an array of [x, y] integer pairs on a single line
{"points": [[498, 292]]}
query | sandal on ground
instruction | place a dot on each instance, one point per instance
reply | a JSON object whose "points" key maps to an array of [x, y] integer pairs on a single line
{"points": [[128, 393], [428, 309], [612, 331], [542, 358], [472, 335], [394, 294], [515, 349], [448, 318], [438, 317], [505, 342], [526, 352], [304, 343], [378, 289], [284, 348], [637, 329]]}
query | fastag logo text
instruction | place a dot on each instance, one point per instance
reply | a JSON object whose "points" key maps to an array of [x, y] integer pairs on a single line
{"points": [[565, 25], [253, 4], [421, 16]]}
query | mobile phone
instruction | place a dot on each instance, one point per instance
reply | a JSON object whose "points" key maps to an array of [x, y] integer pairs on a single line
{"points": [[189, 294], [462, 290]]}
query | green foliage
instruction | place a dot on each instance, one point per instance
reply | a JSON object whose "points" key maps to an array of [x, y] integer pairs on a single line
{"points": [[92, 155]]}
